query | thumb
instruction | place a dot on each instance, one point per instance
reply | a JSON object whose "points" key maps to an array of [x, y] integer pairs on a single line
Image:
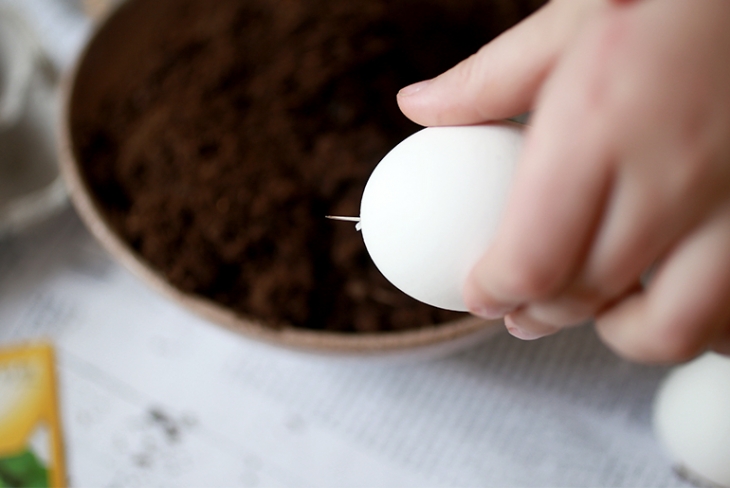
{"points": [[502, 79]]}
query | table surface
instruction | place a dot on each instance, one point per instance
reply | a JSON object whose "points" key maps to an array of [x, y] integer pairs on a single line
{"points": [[154, 396]]}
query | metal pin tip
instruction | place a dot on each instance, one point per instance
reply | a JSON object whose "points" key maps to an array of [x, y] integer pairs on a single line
{"points": [[340, 217], [358, 225]]}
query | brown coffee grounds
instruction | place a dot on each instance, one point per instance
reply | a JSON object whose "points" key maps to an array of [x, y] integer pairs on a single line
{"points": [[219, 157]]}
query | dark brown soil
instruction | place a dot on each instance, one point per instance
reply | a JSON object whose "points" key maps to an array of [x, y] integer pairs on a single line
{"points": [[221, 154]]}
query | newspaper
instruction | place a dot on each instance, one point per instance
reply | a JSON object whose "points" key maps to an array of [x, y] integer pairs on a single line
{"points": [[152, 395]]}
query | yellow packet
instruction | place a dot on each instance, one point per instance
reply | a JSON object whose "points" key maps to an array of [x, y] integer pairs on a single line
{"points": [[31, 449]]}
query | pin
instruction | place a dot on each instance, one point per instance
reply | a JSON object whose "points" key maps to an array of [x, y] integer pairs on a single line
{"points": [[358, 226]]}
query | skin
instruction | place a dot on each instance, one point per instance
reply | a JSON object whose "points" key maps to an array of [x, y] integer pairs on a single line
{"points": [[620, 208]]}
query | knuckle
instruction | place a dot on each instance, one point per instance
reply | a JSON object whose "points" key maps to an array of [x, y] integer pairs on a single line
{"points": [[531, 281], [694, 177], [605, 92], [574, 305], [466, 72], [473, 76]]}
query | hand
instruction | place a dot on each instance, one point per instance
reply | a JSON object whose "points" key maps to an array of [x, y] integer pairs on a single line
{"points": [[626, 167]]}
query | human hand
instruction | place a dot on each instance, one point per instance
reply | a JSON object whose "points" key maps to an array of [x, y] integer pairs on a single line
{"points": [[626, 166]]}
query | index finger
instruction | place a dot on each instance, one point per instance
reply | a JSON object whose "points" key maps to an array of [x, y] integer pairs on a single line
{"points": [[501, 80]]}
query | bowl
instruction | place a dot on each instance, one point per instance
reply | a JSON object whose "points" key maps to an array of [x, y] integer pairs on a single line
{"points": [[124, 45]]}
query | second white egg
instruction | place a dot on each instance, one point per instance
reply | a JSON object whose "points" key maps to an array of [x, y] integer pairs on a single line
{"points": [[432, 206]]}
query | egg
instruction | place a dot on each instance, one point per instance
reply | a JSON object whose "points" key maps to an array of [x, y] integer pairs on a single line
{"points": [[432, 205], [692, 418]]}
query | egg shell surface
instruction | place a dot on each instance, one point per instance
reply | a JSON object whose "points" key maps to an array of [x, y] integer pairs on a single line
{"points": [[432, 205], [692, 418]]}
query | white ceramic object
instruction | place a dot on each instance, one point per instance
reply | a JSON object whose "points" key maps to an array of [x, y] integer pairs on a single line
{"points": [[692, 419], [432, 206], [30, 184]]}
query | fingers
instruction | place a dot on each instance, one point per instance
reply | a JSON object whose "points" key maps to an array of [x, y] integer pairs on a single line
{"points": [[663, 183], [598, 215], [600, 193], [643, 219], [547, 226], [501, 80], [686, 307], [560, 188]]}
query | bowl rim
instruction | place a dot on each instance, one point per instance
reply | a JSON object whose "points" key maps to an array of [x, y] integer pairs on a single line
{"points": [[309, 340]]}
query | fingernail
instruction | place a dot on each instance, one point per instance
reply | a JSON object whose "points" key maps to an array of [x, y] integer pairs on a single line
{"points": [[491, 312], [520, 333], [414, 88], [527, 332]]}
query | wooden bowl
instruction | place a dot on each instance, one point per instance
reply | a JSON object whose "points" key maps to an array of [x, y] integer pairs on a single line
{"points": [[119, 41]]}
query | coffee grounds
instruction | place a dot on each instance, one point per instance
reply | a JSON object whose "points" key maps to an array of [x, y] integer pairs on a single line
{"points": [[218, 158]]}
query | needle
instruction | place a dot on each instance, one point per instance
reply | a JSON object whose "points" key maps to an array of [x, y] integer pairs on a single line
{"points": [[340, 217], [346, 219]]}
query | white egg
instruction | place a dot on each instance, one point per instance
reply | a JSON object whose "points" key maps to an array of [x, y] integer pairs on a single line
{"points": [[432, 205], [692, 418]]}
